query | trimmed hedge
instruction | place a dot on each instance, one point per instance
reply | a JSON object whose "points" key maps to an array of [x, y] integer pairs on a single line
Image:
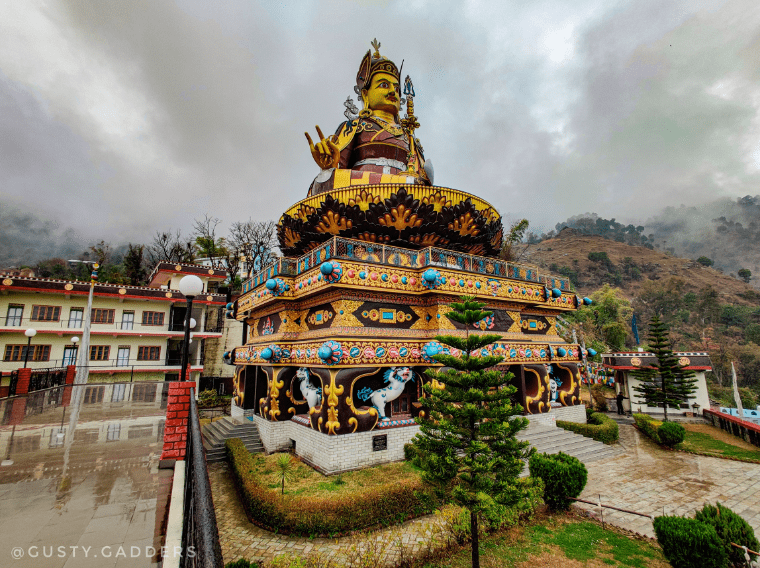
{"points": [[730, 528], [600, 427], [648, 426], [331, 515], [671, 433], [688, 543], [563, 476]]}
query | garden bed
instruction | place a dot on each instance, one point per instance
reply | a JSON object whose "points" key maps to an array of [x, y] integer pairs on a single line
{"points": [[315, 505]]}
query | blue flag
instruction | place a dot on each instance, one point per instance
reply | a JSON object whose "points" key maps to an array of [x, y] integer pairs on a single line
{"points": [[634, 328]]}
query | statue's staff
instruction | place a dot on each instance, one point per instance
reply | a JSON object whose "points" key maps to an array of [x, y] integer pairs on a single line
{"points": [[410, 124]]}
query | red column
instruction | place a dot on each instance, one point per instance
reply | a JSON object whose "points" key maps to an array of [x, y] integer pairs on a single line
{"points": [[175, 429], [24, 376], [71, 373]]}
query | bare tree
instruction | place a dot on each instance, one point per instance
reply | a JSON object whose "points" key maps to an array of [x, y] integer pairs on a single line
{"points": [[254, 241], [207, 243], [168, 246]]}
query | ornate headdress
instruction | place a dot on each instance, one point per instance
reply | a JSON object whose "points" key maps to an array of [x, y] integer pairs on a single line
{"points": [[374, 63]]}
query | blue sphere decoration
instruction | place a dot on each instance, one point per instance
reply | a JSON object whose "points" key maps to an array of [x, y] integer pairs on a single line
{"points": [[267, 353], [326, 268], [430, 275], [588, 301], [362, 275], [229, 306], [325, 352], [561, 351], [556, 292], [271, 284], [592, 352]]}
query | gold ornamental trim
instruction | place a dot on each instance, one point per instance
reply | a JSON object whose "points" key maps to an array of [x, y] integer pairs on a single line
{"points": [[68, 287], [122, 291], [365, 194], [684, 361], [635, 362], [178, 268], [7, 282]]}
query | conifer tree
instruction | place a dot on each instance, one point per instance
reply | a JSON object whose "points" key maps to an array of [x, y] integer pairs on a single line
{"points": [[467, 434], [667, 382]]}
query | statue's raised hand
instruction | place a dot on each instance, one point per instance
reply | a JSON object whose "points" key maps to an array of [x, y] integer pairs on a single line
{"points": [[324, 152]]}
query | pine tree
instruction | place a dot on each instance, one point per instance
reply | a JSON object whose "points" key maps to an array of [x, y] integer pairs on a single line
{"points": [[467, 434], [667, 382]]}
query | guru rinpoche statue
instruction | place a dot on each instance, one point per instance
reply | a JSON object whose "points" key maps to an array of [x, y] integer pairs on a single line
{"points": [[377, 144]]}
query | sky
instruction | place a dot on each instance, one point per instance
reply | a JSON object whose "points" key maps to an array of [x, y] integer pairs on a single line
{"points": [[121, 118]]}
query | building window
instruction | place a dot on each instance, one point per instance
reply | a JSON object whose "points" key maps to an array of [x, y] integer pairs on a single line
{"points": [[146, 353], [46, 313], [99, 352], [13, 319], [127, 320], [122, 356], [114, 432], [70, 355], [100, 315], [76, 315], [153, 318], [18, 353], [144, 393], [93, 395]]}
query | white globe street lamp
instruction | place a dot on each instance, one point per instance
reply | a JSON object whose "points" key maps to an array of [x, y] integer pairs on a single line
{"points": [[190, 286], [29, 333]]}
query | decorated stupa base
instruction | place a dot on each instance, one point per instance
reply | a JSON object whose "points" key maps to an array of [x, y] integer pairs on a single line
{"points": [[343, 327]]}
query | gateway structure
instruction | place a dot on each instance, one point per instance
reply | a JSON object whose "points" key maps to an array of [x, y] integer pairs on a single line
{"points": [[342, 327]]}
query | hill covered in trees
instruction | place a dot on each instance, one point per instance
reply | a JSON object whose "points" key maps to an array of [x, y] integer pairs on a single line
{"points": [[704, 308]]}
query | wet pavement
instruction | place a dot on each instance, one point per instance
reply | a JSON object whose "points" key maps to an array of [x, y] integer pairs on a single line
{"points": [[649, 479], [82, 488]]}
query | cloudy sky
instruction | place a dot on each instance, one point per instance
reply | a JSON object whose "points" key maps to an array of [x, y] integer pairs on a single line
{"points": [[119, 118]]}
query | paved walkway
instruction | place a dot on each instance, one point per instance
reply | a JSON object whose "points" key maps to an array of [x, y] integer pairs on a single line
{"points": [[642, 478], [647, 478]]}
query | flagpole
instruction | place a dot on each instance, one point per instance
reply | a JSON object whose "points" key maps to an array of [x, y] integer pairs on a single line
{"points": [[737, 398], [83, 370]]}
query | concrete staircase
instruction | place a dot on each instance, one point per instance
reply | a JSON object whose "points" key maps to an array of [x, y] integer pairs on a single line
{"points": [[552, 440], [218, 432]]}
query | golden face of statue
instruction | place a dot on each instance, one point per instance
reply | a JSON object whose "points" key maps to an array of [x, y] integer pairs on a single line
{"points": [[384, 94]]}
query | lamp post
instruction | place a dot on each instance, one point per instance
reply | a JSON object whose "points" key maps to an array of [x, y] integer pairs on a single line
{"points": [[74, 341], [190, 286], [29, 333]]}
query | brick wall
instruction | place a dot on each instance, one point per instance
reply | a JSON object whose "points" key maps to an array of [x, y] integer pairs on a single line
{"points": [[575, 413], [175, 428], [334, 454]]}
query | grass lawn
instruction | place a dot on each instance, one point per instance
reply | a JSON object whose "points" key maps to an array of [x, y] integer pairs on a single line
{"points": [[557, 541], [706, 438], [307, 481]]}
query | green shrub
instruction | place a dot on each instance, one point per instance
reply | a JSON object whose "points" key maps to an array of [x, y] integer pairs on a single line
{"points": [[730, 528], [600, 427], [688, 543], [208, 398], [409, 452], [331, 515], [600, 399], [671, 434], [563, 476], [647, 425], [242, 563]]}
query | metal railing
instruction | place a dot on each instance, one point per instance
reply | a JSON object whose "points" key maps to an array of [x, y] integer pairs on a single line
{"points": [[199, 530], [13, 383], [351, 249], [211, 325], [47, 378]]}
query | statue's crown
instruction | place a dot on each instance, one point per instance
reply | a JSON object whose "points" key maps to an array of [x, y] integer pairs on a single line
{"points": [[374, 63]]}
